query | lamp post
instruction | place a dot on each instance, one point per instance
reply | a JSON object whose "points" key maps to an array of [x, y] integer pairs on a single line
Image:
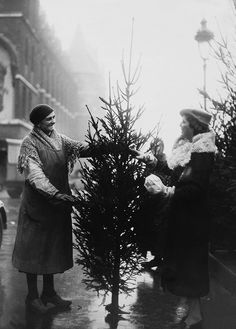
{"points": [[203, 38]]}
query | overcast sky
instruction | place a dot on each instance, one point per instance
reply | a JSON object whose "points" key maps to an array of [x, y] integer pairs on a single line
{"points": [[163, 35]]}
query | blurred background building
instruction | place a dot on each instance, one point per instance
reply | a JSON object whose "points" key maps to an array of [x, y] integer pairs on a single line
{"points": [[89, 77], [34, 69]]}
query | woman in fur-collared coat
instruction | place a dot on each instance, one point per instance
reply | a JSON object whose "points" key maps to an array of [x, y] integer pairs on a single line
{"points": [[185, 269]]}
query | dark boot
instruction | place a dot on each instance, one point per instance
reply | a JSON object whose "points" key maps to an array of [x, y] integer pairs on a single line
{"points": [[56, 301]]}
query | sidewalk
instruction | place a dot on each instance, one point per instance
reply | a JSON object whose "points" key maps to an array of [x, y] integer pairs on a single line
{"points": [[219, 309], [149, 306]]}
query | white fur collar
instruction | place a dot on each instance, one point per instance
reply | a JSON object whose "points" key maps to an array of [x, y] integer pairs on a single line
{"points": [[182, 149]]}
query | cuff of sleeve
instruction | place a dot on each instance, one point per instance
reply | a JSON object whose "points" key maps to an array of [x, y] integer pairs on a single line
{"points": [[169, 191]]}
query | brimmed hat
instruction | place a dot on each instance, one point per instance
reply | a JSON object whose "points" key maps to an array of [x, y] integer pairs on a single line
{"points": [[199, 115], [39, 113]]}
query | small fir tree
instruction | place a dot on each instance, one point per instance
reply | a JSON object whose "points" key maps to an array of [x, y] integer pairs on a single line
{"points": [[108, 208]]}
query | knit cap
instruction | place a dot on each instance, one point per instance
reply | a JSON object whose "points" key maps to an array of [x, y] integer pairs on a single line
{"points": [[39, 113]]}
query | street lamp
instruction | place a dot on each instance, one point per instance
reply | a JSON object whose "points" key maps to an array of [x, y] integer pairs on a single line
{"points": [[204, 37]]}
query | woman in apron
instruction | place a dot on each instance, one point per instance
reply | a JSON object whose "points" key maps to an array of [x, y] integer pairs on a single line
{"points": [[43, 243]]}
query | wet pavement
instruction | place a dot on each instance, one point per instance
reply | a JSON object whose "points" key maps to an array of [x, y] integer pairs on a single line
{"points": [[148, 306]]}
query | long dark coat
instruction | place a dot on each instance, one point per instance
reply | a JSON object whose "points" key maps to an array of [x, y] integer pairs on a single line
{"points": [[44, 236], [185, 270]]}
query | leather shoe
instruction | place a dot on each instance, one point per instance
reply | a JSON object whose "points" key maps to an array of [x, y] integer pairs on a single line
{"points": [[56, 301]]}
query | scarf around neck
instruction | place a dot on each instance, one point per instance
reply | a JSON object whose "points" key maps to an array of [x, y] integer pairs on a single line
{"points": [[28, 148], [56, 141]]}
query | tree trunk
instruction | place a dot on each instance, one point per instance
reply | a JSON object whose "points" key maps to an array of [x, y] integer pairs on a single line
{"points": [[116, 282]]}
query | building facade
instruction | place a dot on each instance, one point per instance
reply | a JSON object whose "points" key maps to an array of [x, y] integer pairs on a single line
{"points": [[33, 70]]}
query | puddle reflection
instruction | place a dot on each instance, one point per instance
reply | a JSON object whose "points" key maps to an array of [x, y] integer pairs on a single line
{"points": [[37, 321]]}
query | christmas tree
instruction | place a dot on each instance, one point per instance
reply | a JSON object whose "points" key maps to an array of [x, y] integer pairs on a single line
{"points": [[108, 208]]}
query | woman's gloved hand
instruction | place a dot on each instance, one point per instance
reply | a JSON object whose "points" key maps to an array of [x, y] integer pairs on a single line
{"points": [[154, 185], [64, 199], [147, 157]]}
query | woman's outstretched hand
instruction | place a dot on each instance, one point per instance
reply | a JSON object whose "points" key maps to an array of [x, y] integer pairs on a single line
{"points": [[147, 158], [133, 151], [69, 199], [137, 154]]}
